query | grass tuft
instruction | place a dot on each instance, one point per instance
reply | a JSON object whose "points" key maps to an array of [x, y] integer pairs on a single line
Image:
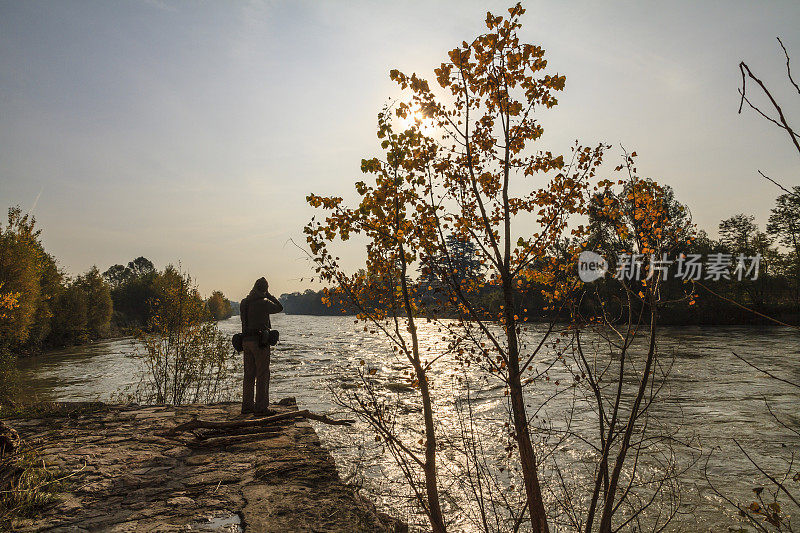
{"points": [[27, 485]]}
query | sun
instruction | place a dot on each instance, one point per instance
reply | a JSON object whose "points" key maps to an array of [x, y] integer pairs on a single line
{"points": [[416, 117]]}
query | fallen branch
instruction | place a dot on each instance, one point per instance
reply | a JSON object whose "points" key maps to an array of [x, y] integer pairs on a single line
{"points": [[233, 424], [232, 439], [325, 420], [266, 421]]}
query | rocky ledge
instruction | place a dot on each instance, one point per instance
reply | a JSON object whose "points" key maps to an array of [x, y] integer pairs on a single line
{"points": [[127, 475]]}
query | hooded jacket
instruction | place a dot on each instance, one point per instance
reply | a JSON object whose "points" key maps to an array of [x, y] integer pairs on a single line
{"points": [[256, 307]]}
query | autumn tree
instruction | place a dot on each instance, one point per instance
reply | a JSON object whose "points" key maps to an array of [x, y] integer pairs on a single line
{"points": [[218, 306], [486, 124], [394, 218], [469, 178], [621, 381], [30, 277], [184, 356]]}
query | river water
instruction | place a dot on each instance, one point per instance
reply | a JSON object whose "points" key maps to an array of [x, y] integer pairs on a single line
{"points": [[711, 398]]}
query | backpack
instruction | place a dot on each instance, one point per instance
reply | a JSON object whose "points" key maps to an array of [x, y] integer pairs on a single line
{"points": [[237, 342], [272, 337]]}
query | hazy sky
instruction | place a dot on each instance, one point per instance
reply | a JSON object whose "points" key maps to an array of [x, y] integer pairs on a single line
{"points": [[192, 131]]}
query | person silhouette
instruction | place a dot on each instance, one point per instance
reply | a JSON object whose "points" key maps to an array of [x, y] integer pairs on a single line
{"points": [[254, 310]]}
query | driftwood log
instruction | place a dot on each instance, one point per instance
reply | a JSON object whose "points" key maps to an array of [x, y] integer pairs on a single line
{"points": [[218, 433], [231, 439], [234, 425]]}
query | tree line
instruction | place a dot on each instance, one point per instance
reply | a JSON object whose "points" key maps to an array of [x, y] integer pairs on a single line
{"points": [[42, 307], [772, 290]]}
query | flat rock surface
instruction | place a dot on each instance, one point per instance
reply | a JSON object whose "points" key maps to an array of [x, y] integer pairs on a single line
{"points": [[128, 477]]}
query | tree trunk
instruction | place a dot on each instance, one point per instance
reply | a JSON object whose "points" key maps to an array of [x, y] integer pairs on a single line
{"points": [[527, 456], [431, 485], [429, 468], [608, 508]]}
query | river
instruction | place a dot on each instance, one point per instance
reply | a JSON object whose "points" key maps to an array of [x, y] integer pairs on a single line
{"points": [[711, 398]]}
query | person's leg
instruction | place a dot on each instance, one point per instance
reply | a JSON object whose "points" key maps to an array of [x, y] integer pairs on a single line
{"points": [[250, 356], [266, 376], [262, 380]]}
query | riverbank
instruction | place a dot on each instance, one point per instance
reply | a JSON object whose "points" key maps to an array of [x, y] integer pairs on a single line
{"points": [[121, 472]]}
